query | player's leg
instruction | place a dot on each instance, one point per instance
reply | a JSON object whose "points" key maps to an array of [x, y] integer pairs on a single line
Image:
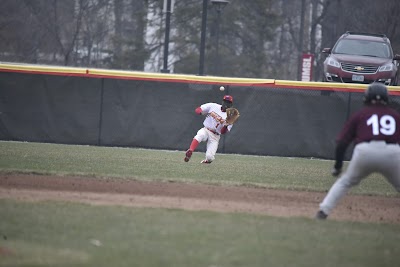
{"points": [[212, 146], [391, 166], [200, 136], [357, 170]]}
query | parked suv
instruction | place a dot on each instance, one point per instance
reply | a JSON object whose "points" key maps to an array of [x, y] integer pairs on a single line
{"points": [[361, 58]]}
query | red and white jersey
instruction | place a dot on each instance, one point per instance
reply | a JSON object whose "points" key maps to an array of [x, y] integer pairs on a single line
{"points": [[215, 117]]}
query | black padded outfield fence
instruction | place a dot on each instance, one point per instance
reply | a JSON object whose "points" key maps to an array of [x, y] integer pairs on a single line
{"points": [[156, 111]]}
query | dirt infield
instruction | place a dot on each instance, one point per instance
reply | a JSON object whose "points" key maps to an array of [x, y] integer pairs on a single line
{"points": [[133, 193]]}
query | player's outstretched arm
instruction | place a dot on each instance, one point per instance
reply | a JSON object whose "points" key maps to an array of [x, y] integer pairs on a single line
{"points": [[224, 129], [232, 115]]}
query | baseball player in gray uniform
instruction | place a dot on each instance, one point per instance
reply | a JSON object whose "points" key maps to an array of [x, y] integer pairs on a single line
{"points": [[214, 126], [375, 131]]}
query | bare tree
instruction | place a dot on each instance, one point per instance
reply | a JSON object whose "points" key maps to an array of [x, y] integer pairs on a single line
{"points": [[258, 38], [319, 11], [61, 21], [93, 47], [129, 38]]}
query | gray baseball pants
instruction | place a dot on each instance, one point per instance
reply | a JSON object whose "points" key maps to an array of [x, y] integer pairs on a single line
{"points": [[374, 156]]}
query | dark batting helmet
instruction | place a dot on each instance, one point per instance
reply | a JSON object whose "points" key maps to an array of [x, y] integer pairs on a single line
{"points": [[376, 92]]}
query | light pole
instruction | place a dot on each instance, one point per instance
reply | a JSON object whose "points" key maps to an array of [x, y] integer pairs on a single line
{"points": [[167, 29], [203, 37], [219, 6]]}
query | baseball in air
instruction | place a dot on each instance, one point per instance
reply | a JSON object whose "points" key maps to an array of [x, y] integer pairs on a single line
{"points": [[222, 88]]}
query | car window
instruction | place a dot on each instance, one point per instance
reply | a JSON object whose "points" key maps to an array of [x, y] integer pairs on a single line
{"points": [[363, 48]]}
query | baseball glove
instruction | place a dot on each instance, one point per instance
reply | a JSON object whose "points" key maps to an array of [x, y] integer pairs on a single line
{"points": [[232, 115]]}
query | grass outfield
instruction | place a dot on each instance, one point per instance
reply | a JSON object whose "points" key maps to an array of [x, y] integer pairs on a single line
{"points": [[53, 233], [160, 165], [63, 234]]}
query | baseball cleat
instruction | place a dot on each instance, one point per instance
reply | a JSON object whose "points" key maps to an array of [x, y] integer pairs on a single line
{"points": [[205, 161], [321, 215], [188, 155]]}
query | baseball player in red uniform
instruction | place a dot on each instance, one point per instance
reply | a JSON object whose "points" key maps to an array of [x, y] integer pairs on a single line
{"points": [[214, 126], [375, 131]]}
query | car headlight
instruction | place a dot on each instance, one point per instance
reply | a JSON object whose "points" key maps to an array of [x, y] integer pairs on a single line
{"points": [[387, 67], [332, 62]]}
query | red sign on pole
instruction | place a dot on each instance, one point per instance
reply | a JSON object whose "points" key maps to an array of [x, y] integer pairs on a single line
{"points": [[306, 67]]}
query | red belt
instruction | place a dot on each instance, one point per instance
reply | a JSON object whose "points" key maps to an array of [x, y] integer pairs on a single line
{"points": [[214, 132]]}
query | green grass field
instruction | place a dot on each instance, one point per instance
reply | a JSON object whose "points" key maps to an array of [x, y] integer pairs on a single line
{"points": [[157, 165], [54, 233]]}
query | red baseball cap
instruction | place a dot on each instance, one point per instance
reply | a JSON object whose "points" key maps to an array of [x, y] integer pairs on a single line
{"points": [[228, 98]]}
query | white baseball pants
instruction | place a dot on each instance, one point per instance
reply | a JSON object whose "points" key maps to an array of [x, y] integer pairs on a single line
{"points": [[212, 142]]}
